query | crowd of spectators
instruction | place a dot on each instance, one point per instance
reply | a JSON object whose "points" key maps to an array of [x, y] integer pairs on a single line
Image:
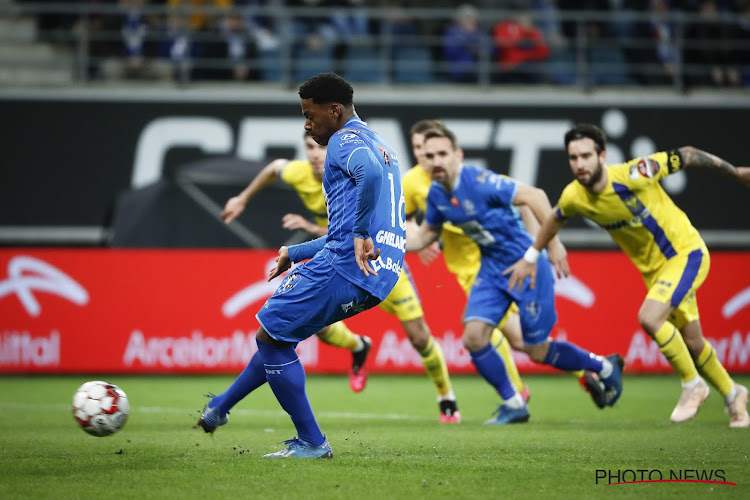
{"points": [[645, 42]]}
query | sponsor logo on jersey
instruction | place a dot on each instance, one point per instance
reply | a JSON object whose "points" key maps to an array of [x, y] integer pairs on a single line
{"points": [[469, 207], [648, 167], [455, 202]]}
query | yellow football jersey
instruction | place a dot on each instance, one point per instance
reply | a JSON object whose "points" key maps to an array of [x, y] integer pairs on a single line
{"points": [[459, 251], [636, 211], [299, 175]]}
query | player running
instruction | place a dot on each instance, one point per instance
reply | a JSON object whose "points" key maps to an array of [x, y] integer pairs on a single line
{"points": [[628, 201], [462, 258], [482, 203]]}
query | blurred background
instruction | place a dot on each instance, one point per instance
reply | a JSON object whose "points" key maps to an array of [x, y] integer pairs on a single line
{"points": [[682, 44], [126, 125]]}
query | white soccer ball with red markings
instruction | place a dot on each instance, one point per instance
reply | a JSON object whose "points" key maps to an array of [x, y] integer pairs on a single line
{"points": [[100, 408]]}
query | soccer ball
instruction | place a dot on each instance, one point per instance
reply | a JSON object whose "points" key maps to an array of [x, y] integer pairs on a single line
{"points": [[100, 408]]}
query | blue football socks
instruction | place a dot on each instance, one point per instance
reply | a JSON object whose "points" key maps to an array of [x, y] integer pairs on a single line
{"points": [[490, 365], [252, 377], [286, 376], [568, 357]]}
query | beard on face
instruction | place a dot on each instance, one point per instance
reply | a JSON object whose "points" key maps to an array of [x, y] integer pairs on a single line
{"points": [[596, 176]]}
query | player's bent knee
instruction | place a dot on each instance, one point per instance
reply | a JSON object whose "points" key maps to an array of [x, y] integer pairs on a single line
{"points": [[537, 352]]}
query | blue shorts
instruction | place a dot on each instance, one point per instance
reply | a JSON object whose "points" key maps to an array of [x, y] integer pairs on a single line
{"points": [[311, 297], [490, 298]]}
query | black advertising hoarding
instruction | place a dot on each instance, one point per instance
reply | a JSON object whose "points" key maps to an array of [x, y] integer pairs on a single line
{"points": [[65, 160]]}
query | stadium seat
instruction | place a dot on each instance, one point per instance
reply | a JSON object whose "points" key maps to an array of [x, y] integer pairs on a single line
{"points": [[364, 64], [270, 65], [412, 65], [310, 62], [561, 67], [607, 66]]}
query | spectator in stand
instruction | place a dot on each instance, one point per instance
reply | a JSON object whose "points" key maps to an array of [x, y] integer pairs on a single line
{"points": [[462, 45], [520, 49], [654, 58], [200, 19], [133, 55], [177, 45], [741, 35], [232, 55], [708, 49]]}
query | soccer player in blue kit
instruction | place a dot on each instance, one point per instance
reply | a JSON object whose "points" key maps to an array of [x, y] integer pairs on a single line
{"points": [[482, 204], [346, 274]]}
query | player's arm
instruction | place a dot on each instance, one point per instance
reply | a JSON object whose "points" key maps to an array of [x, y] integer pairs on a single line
{"points": [[525, 267], [419, 237], [429, 253], [537, 202], [696, 158], [236, 205], [296, 221], [368, 174]]}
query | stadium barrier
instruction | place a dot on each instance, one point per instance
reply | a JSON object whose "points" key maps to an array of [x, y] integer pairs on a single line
{"points": [[193, 311]]}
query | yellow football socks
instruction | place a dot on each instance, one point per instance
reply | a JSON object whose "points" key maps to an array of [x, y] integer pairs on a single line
{"points": [[503, 349], [339, 335], [673, 347], [712, 370], [435, 367]]}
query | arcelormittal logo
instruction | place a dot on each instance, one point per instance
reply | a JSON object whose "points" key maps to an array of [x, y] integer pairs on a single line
{"points": [[27, 275]]}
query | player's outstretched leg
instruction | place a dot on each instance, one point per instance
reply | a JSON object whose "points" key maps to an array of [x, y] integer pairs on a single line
{"points": [[735, 395], [611, 377], [339, 335], [594, 386], [568, 357], [693, 395], [286, 376], [694, 389], [436, 368], [297, 448], [358, 373], [216, 412], [490, 365], [736, 405]]}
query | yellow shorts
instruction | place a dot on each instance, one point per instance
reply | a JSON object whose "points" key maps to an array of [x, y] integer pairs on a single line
{"points": [[677, 282], [466, 280], [403, 300]]}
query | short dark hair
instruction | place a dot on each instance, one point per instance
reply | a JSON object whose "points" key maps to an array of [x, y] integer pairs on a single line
{"points": [[423, 125], [441, 132], [327, 87], [582, 130]]}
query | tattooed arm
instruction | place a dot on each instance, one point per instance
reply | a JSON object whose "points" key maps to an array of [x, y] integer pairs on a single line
{"points": [[694, 157]]}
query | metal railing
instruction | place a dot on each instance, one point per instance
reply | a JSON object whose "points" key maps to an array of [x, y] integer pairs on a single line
{"points": [[283, 46]]}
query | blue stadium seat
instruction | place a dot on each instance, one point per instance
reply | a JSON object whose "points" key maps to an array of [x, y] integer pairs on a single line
{"points": [[309, 62], [561, 67], [270, 65], [412, 65], [607, 66], [364, 64]]}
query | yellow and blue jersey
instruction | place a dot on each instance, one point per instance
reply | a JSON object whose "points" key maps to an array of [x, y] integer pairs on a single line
{"points": [[299, 175], [636, 211], [460, 252]]}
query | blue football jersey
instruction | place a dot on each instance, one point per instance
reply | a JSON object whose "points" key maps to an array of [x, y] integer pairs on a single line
{"points": [[481, 204], [388, 221]]}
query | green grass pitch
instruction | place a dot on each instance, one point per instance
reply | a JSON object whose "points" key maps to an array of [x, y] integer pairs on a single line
{"points": [[387, 443]]}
